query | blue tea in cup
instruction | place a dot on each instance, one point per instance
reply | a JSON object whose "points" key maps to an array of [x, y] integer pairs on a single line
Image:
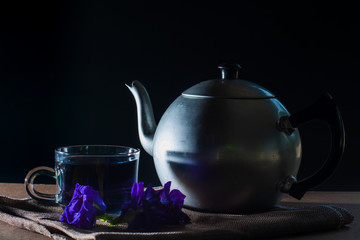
{"points": [[111, 170]]}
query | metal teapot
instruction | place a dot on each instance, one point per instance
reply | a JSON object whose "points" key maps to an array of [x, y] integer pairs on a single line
{"points": [[230, 146]]}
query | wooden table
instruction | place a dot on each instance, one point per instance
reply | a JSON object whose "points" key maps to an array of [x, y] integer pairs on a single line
{"points": [[349, 200]]}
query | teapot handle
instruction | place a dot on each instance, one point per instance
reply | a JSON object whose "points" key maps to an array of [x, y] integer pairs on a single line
{"points": [[324, 109]]}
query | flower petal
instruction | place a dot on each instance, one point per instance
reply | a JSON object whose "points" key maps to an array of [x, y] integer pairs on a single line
{"points": [[83, 208], [177, 197], [164, 196]]}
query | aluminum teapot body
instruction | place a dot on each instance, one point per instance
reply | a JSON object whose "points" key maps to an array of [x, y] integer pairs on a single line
{"points": [[232, 154], [222, 157]]}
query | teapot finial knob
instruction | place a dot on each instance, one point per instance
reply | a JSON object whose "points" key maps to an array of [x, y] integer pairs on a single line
{"points": [[229, 70]]}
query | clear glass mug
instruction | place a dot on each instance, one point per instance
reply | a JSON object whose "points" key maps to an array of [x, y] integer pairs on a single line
{"points": [[111, 170]]}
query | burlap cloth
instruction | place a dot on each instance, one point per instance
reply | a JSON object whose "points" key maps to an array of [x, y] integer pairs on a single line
{"points": [[281, 221]]}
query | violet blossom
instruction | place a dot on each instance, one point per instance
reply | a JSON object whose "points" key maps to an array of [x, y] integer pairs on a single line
{"points": [[83, 208], [171, 205], [147, 209]]}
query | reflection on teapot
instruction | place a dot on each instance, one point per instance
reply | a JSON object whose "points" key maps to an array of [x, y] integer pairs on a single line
{"points": [[230, 146]]}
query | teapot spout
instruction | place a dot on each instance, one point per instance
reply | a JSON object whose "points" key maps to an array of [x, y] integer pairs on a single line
{"points": [[146, 120]]}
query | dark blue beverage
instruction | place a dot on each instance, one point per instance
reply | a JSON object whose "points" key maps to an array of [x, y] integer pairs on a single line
{"points": [[110, 170]]}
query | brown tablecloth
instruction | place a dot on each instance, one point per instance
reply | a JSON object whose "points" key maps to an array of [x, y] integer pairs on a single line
{"points": [[282, 221]]}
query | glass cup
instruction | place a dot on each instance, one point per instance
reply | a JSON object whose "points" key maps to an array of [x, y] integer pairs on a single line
{"points": [[111, 170]]}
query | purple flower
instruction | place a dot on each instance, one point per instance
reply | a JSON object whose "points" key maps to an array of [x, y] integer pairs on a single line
{"points": [[137, 193], [149, 208], [83, 208], [171, 204]]}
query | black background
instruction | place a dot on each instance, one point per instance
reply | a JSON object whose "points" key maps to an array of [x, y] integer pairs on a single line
{"points": [[63, 66]]}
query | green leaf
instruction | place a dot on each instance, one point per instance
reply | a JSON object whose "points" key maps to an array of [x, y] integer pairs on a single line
{"points": [[113, 221]]}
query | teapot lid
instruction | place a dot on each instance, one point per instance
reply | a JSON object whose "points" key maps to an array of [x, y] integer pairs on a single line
{"points": [[229, 86]]}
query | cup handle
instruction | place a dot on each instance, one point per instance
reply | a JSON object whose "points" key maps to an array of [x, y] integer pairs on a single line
{"points": [[29, 184]]}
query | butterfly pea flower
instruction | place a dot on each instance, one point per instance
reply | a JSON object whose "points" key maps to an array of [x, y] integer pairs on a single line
{"points": [[147, 209], [137, 193], [83, 208], [171, 205]]}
